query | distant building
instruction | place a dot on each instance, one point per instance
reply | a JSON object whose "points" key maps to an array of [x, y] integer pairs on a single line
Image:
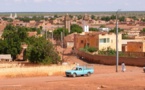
{"points": [[69, 40], [105, 29], [13, 17], [86, 23], [67, 22], [32, 33]]}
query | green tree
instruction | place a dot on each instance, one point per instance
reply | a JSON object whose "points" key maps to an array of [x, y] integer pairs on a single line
{"points": [[113, 17], [93, 29], [93, 17], [105, 18], [42, 51], [39, 49], [114, 30], [57, 33], [76, 28], [122, 18]]}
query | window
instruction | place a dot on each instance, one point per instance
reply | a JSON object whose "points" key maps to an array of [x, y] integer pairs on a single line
{"points": [[104, 40], [108, 40]]}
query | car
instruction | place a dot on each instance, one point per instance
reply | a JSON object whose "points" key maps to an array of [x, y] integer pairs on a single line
{"points": [[80, 71]]}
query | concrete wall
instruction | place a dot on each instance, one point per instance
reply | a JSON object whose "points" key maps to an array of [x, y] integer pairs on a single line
{"points": [[111, 60]]}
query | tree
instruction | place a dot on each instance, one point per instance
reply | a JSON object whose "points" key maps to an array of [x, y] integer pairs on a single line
{"points": [[93, 17], [42, 51], [56, 16], [93, 29], [105, 18], [76, 28], [114, 30], [57, 33], [113, 17], [39, 49], [122, 18]]}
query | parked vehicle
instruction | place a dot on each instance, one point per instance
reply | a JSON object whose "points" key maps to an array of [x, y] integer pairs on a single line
{"points": [[144, 69], [80, 71]]}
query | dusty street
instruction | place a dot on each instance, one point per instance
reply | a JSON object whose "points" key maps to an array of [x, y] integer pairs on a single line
{"points": [[104, 77]]}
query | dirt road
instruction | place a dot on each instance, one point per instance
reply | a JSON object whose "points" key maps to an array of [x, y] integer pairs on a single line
{"points": [[104, 77]]}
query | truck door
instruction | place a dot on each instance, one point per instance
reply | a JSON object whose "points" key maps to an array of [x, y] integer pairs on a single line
{"points": [[79, 71]]}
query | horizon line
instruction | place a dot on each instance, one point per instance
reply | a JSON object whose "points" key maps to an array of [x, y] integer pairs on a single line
{"points": [[69, 11]]}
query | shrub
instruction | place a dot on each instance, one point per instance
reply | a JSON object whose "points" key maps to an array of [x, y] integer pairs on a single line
{"points": [[88, 49], [92, 49]]}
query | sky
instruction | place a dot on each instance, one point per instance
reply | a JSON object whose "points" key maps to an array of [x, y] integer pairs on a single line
{"points": [[70, 5]]}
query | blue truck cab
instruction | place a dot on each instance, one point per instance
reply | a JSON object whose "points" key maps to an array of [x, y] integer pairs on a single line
{"points": [[80, 71]]}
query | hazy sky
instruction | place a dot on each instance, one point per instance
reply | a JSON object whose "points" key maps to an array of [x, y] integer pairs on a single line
{"points": [[70, 5]]}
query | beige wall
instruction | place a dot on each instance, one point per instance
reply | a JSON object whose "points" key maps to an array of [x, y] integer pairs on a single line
{"points": [[112, 41], [143, 46]]}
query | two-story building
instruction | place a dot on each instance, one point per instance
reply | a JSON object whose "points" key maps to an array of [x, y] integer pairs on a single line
{"points": [[99, 40]]}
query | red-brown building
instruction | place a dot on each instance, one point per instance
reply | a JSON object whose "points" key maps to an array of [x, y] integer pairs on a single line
{"points": [[136, 47]]}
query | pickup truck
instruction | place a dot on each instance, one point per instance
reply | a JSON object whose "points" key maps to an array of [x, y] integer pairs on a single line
{"points": [[80, 71]]}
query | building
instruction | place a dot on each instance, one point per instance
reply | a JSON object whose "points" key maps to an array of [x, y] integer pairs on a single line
{"points": [[104, 29], [69, 40], [99, 40], [5, 57], [136, 47], [67, 22], [13, 17], [85, 23], [32, 33]]}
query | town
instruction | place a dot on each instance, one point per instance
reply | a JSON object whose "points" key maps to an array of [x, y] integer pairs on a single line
{"points": [[72, 45], [79, 31]]}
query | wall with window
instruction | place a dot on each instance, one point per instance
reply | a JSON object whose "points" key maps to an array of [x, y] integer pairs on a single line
{"points": [[109, 40], [97, 40], [89, 39]]}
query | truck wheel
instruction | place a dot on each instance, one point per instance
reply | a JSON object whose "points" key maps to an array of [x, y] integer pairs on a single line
{"points": [[74, 75], [67, 75], [88, 74]]}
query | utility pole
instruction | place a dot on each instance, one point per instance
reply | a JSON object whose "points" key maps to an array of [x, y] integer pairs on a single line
{"points": [[117, 55], [62, 45]]}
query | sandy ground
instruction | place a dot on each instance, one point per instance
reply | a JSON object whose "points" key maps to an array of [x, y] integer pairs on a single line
{"points": [[104, 78]]}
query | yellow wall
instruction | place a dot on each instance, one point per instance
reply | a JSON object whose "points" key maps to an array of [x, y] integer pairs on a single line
{"points": [[143, 46], [112, 41]]}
